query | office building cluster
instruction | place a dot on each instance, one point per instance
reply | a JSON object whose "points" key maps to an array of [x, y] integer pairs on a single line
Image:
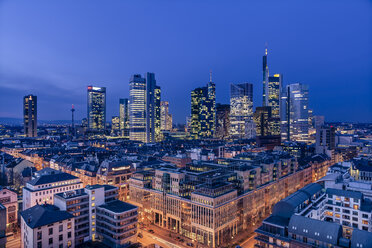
{"points": [[284, 115], [276, 170]]}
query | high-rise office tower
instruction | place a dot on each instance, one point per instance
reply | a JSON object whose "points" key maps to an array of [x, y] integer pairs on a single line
{"points": [[274, 87], [137, 108], [222, 121], [157, 118], [265, 78], [115, 125], [241, 111], [325, 139], [124, 117], [30, 115], [318, 121], [144, 113], [96, 108], [267, 133], [295, 113], [165, 116], [203, 111]]}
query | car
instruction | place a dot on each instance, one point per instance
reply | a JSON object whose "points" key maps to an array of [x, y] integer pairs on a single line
{"points": [[151, 231], [181, 240], [140, 235], [190, 244]]}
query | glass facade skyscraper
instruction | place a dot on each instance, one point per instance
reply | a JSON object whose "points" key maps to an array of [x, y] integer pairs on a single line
{"points": [[124, 117], [137, 108], [203, 111], [222, 121], [274, 87], [30, 115], [165, 116], [96, 108], [295, 113], [144, 108], [241, 111]]}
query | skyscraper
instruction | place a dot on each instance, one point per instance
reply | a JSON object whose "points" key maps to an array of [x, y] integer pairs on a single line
{"points": [[265, 78], [144, 108], [222, 121], [165, 116], [295, 113], [203, 111], [274, 87], [96, 108], [325, 140], [267, 133], [124, 117], [241, 111], [30, 115], [157, 101], [137, 108], [115, 125]]}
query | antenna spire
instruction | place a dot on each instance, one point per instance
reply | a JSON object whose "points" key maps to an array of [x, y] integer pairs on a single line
{"points": [[210, 76], [266, 48]]}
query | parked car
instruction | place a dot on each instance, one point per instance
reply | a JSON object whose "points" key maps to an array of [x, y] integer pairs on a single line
{"points": [[190, 244], [140, 235], [151, 231]]}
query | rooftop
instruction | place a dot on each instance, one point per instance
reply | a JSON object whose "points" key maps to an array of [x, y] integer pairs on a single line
{"points": [[118, 206], [41, 215], [44, 179]]}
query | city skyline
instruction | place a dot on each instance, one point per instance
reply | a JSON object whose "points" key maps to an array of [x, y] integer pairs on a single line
{"points": [[321, 62]]}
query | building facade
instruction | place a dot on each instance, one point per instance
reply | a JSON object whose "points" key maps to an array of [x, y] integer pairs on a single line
{"points": [[45, 184], [30, 115], [47, 226], [165, 117], [222, 121], [325, 139], [9, 199], [124, 117], [241, 111], [115, 126], [211, 202], [144, 108], [295, 113], [267, 131], [203, 112], [96, 108]]}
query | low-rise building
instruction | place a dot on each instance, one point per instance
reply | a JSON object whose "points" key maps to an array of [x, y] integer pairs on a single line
{"points": [[45, 184], [47, 226], [9, 199]]}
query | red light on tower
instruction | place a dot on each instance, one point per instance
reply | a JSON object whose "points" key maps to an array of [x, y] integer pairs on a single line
{"points": [[89, 87]]}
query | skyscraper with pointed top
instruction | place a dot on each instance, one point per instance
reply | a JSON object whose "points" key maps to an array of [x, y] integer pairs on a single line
{"points": [[265, 78]]}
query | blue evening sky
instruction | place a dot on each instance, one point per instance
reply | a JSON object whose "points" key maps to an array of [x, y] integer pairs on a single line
{"points": [[54, 49]]}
